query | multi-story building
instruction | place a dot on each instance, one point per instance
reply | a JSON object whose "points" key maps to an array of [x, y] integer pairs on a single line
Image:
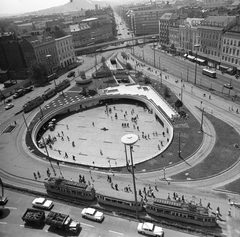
{"points": [[189, 34], [65, 49], [210, 31], [165, 21], [81, 34], [144, 20], [230, 54], [11, 55], [41, 49], [214, 3], [174, 40], [26, 27]]}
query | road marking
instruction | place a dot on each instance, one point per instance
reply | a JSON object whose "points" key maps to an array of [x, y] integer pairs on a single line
{"points": [[87, 225], [4, 223], [14, 208], [115, 232], [21, 225]]}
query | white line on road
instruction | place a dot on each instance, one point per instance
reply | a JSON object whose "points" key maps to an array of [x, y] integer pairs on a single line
{"points": [[4, 223], [87, 225], [115, 232]]}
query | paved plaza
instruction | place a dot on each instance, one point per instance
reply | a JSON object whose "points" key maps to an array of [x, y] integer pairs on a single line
{"points": [[93, 137]]}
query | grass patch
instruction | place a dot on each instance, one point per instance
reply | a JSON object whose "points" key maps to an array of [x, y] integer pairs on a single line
{"points": [[233, 186], [222, 156]]}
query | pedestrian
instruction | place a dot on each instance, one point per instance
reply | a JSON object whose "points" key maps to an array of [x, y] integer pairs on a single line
{"points": [[116, 187], [35, 176], [93, 124], [62, 133], [168, 196], [73, 157], [39, 175], [59, 152], [66, 155], [73, 144], [68, 138], [101, 153], [156, 187], [209, 205], [62, 138], [67, 126]]}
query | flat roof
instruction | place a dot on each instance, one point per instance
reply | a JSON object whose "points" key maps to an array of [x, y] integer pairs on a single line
{"points": [[143, 91]]}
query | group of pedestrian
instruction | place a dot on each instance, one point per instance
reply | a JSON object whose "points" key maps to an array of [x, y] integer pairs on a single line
{"points": [[38, 175]]}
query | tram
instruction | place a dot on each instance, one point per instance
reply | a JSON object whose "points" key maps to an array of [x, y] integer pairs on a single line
{"points": [[181, 211], [70, 188], [30, 105], [61, 86], [119, 199]]}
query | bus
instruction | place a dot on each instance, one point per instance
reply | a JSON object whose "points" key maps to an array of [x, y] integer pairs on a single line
{"points": [[209, 72]]}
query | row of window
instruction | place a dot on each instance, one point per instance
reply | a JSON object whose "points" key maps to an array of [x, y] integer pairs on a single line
{"points": [[210, 35], [69, 55], [231, 51], [230, 60], [231, 42], [118, 201], [72, 191], [180, 214]]}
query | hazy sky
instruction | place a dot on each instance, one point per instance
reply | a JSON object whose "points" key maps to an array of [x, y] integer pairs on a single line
{"points": [[21, 6]]}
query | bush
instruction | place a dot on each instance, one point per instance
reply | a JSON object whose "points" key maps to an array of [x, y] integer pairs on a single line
{"points": [[147, 80], [166, 92], [128, 66]]}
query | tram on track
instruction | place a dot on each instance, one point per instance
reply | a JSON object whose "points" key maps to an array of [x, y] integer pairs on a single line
{"points": [[181, 211]]}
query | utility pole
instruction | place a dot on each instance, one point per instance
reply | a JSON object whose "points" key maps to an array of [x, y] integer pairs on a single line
{"points": [[230, 83], [201, 128], [187, 72], [154, 55]]}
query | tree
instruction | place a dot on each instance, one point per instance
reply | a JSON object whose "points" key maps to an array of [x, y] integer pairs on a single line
{"points": [[103, 61], [139, 74], [178, 104], [38, 73], [166, 92], [147, 80], [128, 66]]}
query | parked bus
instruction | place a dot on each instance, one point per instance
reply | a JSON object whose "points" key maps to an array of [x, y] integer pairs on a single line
{"points": [[209, 72]]}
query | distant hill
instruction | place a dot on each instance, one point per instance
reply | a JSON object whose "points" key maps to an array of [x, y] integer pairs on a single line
{"points": [[75, 5]]}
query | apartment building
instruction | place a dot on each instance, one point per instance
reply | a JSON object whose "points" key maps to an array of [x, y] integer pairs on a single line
{"points": [[145, 19], [230, 54], [81, 34], [211, 32], [166, 20], [65, 49], [189, 34]]}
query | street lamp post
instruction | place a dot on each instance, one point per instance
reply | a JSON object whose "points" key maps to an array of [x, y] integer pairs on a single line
{"points": [[187, 72], [130, 140], [201, 128], [195, 78]]}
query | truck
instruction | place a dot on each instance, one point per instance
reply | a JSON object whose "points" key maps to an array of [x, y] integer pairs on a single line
{"points": [[33, 216], [19, 93], [62, 221]]}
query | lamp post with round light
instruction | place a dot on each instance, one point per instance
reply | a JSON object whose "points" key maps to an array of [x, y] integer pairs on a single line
{"points": [[130, 140]]}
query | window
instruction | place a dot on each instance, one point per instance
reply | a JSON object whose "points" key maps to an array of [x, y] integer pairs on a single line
{"points": [[236, 61]]}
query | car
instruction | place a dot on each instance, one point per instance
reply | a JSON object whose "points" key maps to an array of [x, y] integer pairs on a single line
{"points": [[9, 106], [71, 74], [92, 214], [150, 229], [229, 86], [3, 201], [9, 100], [42, 203]]}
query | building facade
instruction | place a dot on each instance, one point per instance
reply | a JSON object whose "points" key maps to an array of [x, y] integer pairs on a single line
{"points": [[189, 34], [174, 39], [230, 55], [145, 20], [65, 49], [81, 34], [210, 32], [167, 20]]}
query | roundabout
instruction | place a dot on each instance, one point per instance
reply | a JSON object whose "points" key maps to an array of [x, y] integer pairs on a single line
{"points": [[88, 132]]}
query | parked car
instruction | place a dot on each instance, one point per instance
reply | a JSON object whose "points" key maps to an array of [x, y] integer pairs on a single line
{"points": [[42, 203], [150, 229], [92, 214], [71, 74], [229, 86], [9, 106]]}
